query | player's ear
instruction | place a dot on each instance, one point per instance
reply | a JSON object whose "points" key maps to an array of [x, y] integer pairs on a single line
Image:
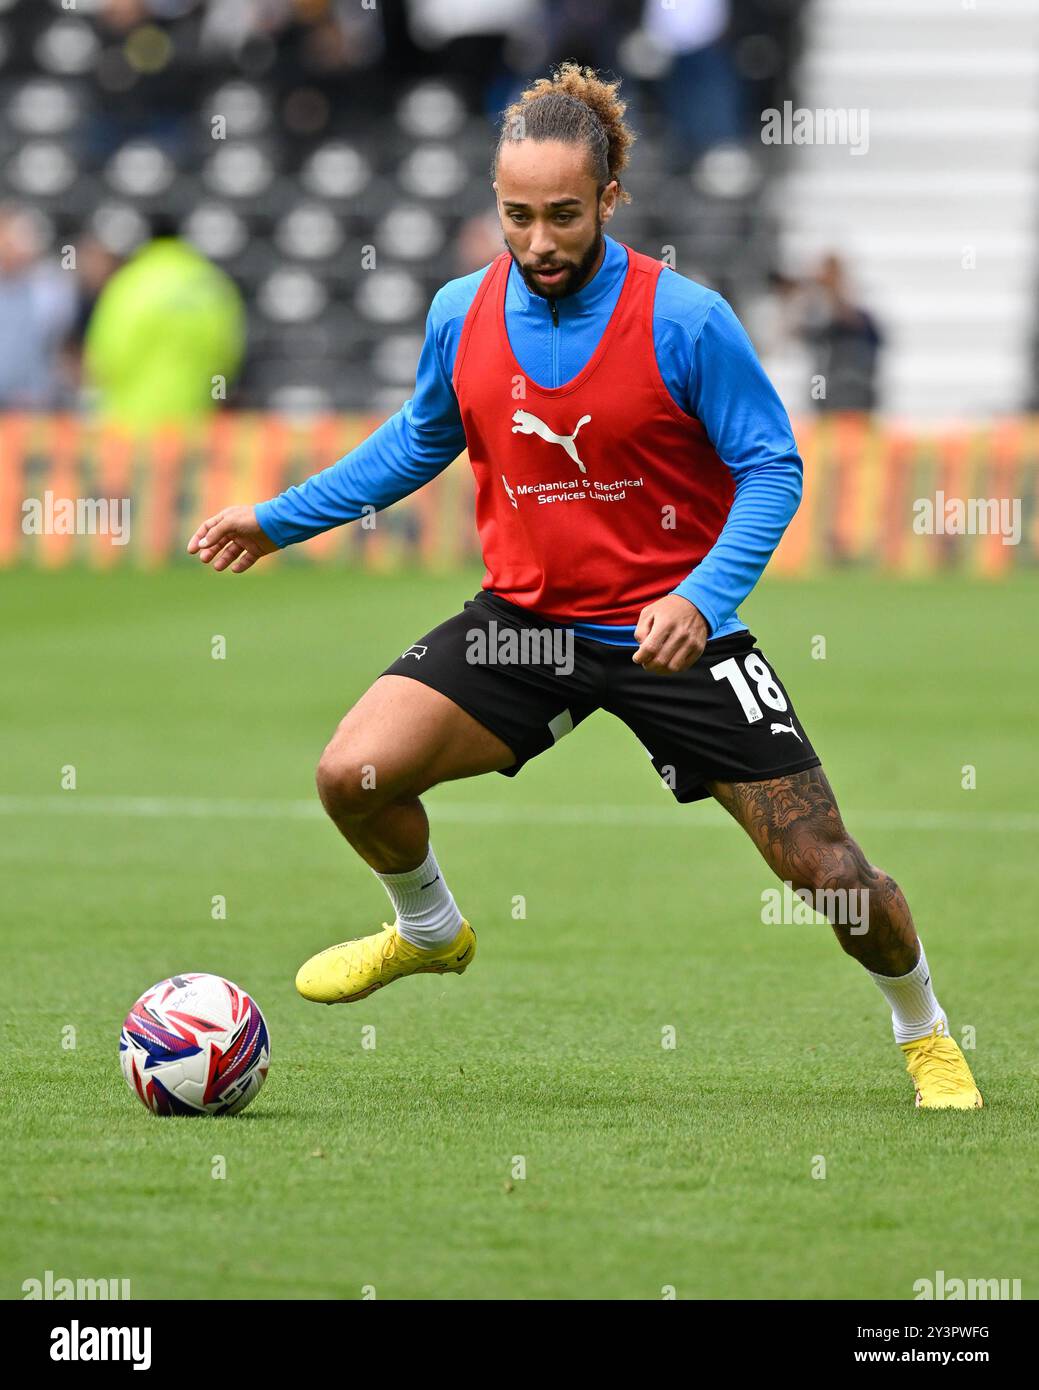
{"points": [[608, 200]]}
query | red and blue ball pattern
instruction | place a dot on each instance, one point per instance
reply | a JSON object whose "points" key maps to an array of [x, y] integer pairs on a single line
{"points": [[195, 1044]]}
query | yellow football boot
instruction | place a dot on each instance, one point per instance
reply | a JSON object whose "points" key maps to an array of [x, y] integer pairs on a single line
{"points": [[940, 1072], [353, 970]]}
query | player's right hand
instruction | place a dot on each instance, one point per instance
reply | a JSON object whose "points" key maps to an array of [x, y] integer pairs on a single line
{"points": [[231, 538]]}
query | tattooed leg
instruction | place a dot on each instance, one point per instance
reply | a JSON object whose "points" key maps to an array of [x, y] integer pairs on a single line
{"points": [[795, 823]]}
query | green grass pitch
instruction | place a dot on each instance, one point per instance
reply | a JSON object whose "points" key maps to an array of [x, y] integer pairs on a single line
{"points": [[393, 1167]]}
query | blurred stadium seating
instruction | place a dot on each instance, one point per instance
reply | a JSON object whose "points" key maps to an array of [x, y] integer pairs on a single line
{"points": [[333, 158]]}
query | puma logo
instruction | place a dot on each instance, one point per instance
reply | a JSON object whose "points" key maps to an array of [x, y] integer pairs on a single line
{"points": [[526, 423], [787, 729]]}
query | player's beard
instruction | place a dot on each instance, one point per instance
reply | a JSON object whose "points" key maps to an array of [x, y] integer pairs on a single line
{"points": [[577, 272]]}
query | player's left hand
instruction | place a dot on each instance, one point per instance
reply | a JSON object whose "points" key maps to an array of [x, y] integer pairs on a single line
{"points": [[673, 633]]}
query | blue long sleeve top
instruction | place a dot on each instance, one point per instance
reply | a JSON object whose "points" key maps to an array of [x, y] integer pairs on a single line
{"points": [[708, 365]]}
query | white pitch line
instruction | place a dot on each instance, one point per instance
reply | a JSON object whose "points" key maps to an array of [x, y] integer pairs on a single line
{"points": [[672, 816]]}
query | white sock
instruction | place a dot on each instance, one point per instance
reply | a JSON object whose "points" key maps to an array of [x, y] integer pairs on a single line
{"points": [[426, 912], [914, 1009]]}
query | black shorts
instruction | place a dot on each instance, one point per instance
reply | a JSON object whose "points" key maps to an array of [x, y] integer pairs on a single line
{"points": [[530, 681]]}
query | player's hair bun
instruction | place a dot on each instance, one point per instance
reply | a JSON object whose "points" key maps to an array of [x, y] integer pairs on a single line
{"points": [[574, 105]]}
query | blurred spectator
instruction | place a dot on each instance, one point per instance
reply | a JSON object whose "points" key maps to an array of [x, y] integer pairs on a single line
{"points": [[773, 316], [765, 38], [135, 66], [166, 337], [845, 337], [313, 35], [96, 263], [471, 40], [37, 312], [479, 241], [702, 91]]}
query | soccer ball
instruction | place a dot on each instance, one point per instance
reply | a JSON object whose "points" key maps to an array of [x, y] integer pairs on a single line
{"points": [[195, 1045]]}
